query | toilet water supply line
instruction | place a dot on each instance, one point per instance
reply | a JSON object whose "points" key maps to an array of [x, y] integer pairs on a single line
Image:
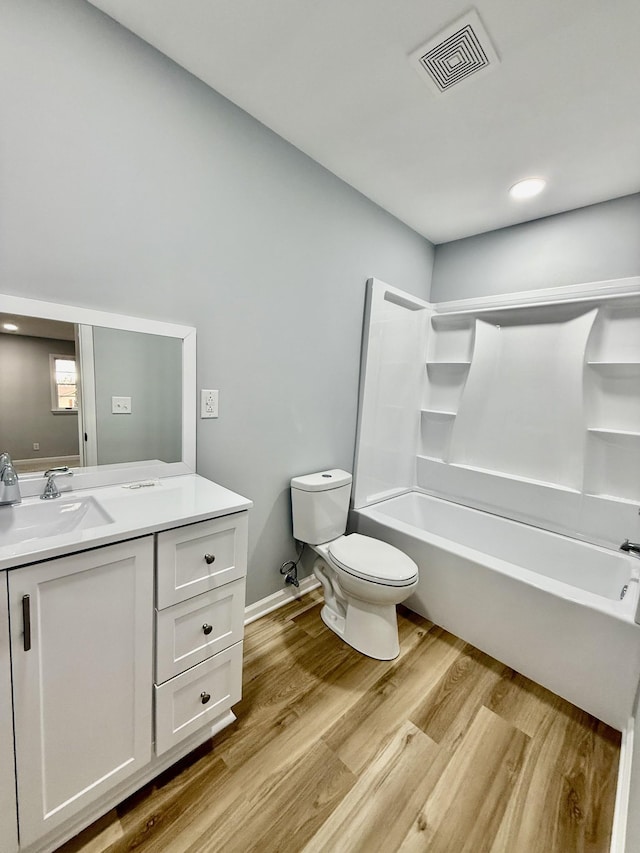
{"points": [[290, 568]]}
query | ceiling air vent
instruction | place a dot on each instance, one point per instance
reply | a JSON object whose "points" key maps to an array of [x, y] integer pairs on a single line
{"points": [[461, 51]]}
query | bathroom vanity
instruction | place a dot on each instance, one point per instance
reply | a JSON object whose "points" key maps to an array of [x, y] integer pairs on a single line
{"points": [[120, 645]]}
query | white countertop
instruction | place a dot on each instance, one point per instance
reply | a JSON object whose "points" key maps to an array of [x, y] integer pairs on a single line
{"points": [[170, 502]]}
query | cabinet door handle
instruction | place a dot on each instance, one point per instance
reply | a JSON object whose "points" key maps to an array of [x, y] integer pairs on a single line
{"points": [[204, 697], [26, 621], [209, 558], [207, 628]]}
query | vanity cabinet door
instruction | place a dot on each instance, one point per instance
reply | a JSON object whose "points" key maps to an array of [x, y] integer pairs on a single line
{"points": [[8, 820], [82, 676]]}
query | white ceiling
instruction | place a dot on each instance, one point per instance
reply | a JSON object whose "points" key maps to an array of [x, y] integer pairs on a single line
{"points": [[333, 78]]}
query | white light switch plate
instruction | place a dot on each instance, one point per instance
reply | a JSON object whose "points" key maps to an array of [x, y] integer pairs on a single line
{"points": [[121, 405], [208, 404]]}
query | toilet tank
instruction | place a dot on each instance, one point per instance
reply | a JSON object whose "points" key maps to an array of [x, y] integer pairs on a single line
{"points": [[320, 505]]}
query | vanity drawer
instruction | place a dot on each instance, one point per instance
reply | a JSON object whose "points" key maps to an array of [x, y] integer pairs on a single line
{"points": [[200, 557], [192, 631], [182, 706]]}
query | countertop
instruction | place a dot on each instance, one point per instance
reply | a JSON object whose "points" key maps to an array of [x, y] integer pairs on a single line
{"points": [[170, 502]]}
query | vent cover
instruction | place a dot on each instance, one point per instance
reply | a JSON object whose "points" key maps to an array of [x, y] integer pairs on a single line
{"points": [[460, 51]]}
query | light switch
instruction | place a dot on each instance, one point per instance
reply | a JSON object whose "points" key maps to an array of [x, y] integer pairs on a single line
{"points": [[121, 405], [208, 404]]}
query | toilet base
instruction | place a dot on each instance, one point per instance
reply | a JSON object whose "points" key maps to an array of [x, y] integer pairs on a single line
{"points": [[371, 629]]}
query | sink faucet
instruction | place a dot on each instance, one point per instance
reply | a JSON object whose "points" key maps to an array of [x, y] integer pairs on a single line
{"points": [[631, 547], [9, 485], [51, 489]]}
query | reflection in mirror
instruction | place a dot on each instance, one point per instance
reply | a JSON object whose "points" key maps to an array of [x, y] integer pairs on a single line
{"points": [[38, 414], [81, 395], [146, 371]]}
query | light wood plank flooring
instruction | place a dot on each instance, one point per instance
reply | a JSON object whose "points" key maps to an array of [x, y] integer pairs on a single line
{"points": [[443, 749]]}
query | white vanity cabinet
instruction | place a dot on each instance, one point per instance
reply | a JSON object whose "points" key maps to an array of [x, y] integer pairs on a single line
{"points": [[8, 821], [120, 649], [81, 634]]}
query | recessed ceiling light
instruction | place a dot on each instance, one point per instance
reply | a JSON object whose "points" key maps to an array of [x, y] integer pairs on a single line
{"points": [[10, 327], [527, 188]]}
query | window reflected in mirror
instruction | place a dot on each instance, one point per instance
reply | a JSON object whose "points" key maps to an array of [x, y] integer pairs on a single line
{"points": [[64, 383]]}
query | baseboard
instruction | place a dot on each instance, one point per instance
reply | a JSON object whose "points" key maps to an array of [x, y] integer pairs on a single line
{"points": [[279, 599], [41, 463], [623, 789]]}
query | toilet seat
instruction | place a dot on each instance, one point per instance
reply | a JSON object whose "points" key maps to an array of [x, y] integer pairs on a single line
{"points": [[373, 560]]}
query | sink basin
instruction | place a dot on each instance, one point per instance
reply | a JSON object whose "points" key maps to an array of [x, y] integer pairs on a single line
{"points": [[42, 519]]}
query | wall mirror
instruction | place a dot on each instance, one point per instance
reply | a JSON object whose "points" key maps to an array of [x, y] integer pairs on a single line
{"points": [[88, 388]]}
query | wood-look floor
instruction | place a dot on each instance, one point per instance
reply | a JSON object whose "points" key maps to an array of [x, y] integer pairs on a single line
{"points": [[443, 749]]}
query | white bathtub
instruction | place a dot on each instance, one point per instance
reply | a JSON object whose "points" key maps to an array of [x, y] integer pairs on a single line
{"points": [[545, 605]]}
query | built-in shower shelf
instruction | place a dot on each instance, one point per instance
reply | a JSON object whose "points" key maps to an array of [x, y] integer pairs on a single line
{"points": [[623, 433], [616, 368], [488, 475], [624, 502], [451, 365], [505, 475], [438, 413]]}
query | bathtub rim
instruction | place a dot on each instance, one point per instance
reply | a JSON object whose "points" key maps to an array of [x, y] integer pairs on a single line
{"points": [[624, 609]]}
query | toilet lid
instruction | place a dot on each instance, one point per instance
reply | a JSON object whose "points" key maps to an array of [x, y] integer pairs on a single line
{"points": [[373, 560]]}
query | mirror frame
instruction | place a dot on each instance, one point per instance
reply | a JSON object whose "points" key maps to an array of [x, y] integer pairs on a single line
{"points": [[94, 317]]}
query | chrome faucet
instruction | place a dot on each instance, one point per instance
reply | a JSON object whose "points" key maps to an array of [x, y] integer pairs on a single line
{"points": [[631, 547], [51, 489], [9, 485]]}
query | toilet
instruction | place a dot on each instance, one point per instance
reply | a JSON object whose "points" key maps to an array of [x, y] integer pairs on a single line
{"points": [[363, 578]]}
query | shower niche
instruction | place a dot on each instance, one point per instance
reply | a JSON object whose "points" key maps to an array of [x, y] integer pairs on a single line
{"points": [[529, 408], [447, 366], [612, 385]]}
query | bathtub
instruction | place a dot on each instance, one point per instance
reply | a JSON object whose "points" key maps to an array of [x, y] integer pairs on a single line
{"points": [[546, 605]]}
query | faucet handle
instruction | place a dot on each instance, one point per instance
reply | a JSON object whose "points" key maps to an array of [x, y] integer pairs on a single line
{"points": [[8, 475], [51, 489], [9, 485]]}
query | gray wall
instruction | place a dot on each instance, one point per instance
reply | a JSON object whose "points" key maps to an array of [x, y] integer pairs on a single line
{"points": [[594, 243], [25, 395], [128, 185], [147, 368]]}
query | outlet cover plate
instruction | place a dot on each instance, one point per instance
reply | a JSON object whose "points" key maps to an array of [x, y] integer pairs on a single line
{"points": [[208, 403], [121, 405]]}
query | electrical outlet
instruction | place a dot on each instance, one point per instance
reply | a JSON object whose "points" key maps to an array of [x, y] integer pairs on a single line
{"points": [[121, 405], [36, 445], [208, 404]]}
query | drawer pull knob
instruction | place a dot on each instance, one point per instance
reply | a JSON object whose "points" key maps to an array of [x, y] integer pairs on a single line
{"points": [[207, 628], [209, 558], [204, 696]]}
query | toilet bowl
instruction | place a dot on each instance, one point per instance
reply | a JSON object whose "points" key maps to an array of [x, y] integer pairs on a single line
{"points": [[360, 606], [363, 579]]}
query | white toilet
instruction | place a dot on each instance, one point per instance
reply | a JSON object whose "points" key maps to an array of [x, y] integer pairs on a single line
{"points": [[363, 578]]}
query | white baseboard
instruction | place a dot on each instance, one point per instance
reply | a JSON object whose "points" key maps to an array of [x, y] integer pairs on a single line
{"points": [[40, 463], [623, 789], [279, 599]]}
